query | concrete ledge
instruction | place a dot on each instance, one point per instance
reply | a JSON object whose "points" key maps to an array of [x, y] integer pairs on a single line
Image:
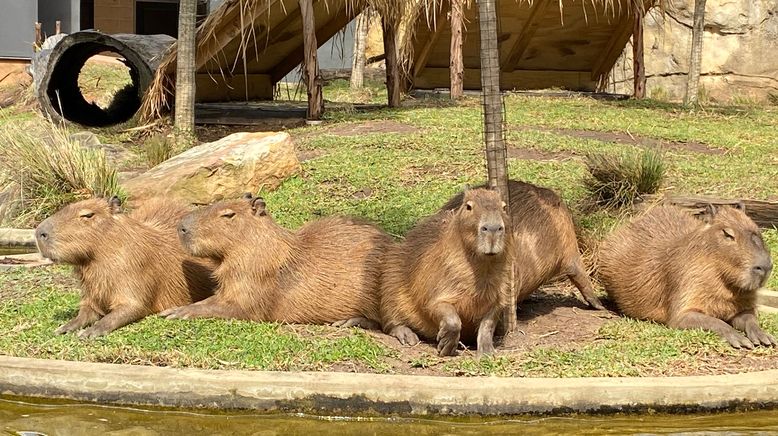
{"points": [[341, 393], [30, 260], [17, 237]]}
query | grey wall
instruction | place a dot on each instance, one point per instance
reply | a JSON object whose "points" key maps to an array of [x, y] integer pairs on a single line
{"points": [[335, 53], [17, 31], [68, 12]]}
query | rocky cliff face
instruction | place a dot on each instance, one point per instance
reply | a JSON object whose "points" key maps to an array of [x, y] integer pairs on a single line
{"points": [[740, 52]]}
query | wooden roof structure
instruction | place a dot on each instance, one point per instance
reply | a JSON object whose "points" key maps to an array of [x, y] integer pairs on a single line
{"points": [[570, 44]]}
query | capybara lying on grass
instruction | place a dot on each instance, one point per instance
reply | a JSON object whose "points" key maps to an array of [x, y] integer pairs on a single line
{"points": [[670, 267], [130, 265], [449, 279], [544, 241], [326, 272]]}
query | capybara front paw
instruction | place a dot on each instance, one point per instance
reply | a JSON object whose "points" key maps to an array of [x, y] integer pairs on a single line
{"points": [[760, 337], [92, 332], [405, 335], [595, 303], [448, 342], [182, 312], [67, 328], [360, 322], [738, 341], [485, 349]]}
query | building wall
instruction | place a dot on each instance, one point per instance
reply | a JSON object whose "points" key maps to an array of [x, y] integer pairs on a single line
{"points": [[68, 12], [114, 16], [17, 31]]}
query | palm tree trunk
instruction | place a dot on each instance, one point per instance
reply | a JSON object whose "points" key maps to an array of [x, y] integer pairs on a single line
{"points": [[185, 69], [457, 66], [638, 64], [360, 43], [496, 152], [393, 85], [695, 61], [313, 82]]}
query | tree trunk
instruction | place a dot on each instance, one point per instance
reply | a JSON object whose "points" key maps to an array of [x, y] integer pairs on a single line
{"points": [[310, 62], [394, 92], [695, 61], [185, 69], [457, 66], [360, 43], [638, 64], [496, 152]]}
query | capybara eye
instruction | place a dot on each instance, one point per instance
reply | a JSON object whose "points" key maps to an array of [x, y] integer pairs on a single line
{"points": [[729, 234], [87, 214], [228, 214]]}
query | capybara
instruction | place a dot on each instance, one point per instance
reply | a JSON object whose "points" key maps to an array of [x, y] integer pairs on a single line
{"points": [[326, 272], [670, 267], [449, 278], [130, 265], [544, 241]]}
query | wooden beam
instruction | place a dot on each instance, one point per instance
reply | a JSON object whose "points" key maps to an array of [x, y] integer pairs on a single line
{"points": [[225, 88], [339, 19], [763, 213], [638, 64], [456, 61], [431, 78], [393, 85], [311, 62], [424, 54], [614, 47], [525, 36]]}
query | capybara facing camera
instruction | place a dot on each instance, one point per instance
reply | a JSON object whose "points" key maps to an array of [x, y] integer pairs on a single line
{"points": [[687, 272], [449, 279], [129, 265], [545, 243], [325, 272]]}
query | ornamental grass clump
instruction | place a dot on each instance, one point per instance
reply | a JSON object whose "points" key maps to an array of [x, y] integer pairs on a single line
{"points": [[620, 179]]}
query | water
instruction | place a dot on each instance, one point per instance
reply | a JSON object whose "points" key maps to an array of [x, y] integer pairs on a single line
{"points": [[25, 418]]}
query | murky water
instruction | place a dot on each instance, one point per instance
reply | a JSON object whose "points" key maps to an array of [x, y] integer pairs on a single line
{"points": [[5, 251], [18, 417]]}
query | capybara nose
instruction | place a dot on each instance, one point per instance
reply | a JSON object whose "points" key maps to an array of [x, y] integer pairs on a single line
{"points": [[43, 231], [182, 229], [492, 228], [763, 270]]}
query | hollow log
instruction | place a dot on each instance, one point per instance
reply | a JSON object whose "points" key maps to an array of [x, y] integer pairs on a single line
{"points": [[56, 71]]}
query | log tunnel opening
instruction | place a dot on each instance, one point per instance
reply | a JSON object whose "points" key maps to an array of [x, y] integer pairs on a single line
{"points": [[66, 97]]}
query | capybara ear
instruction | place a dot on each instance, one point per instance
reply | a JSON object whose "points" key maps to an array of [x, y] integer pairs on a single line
{"points": [[740, 206], [259, 206], [709, 213], [247, 196], [115, 204], [469, 205], [504, 205]]}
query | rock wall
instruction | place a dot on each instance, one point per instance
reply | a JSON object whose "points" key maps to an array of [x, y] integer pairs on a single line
{"points": [[740, 52]]}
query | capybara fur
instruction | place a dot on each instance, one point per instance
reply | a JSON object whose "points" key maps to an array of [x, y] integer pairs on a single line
{"points": [[544, 241], [130, 265], [670, 267], [449, 279], [326, 272]]}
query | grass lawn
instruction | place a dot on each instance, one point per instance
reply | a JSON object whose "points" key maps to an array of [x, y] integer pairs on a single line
{"points": [[395, 166]]}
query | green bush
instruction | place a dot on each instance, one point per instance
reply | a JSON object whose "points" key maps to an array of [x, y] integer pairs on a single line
{"points": [[619, 179]]}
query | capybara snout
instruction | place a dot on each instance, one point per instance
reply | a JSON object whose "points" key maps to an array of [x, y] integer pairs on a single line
{"points": [[484, 217], [491, 235]]}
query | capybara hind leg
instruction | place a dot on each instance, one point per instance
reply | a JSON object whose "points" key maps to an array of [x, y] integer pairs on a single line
{"points": [[486, 332], [119, 317], [581, 281], [698, 320], [360, 322], [86, 317], [405, 335], [211, 307], [746, 322], [449, 328]]}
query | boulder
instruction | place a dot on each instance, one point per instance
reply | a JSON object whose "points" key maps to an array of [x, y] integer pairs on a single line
{"points": [[224, 169]]}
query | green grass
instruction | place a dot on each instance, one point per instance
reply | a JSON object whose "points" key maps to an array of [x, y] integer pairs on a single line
{"points": [[395, 179]]}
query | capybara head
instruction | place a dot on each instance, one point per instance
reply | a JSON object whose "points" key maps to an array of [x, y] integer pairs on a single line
{"points": [[741, 253], [75, 232], [481, 221], [215, 230]]}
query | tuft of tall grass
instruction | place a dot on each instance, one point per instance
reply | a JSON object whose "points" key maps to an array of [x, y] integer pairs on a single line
{"points": [[157, 149], [43, 169], [620, 179]]}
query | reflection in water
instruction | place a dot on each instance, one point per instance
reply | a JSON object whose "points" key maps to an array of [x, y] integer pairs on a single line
{"points": [[71, 419]]}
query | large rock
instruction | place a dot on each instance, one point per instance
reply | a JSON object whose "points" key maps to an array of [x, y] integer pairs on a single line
{"points": [[738, 58], [222, 169]]}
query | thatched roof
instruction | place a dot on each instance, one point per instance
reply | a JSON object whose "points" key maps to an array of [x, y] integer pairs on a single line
{"points": [[245, 46], [569, 44]]}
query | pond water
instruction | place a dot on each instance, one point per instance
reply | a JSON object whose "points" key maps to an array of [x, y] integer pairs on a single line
{"points": [[27, 418]]}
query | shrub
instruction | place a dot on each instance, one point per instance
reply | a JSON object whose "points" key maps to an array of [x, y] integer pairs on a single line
{"points": [[158, 149], [43, 169], [618, 180]]}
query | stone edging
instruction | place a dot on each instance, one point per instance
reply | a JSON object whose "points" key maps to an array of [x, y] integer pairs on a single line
{"points": [[346, 393], [17, 237]]}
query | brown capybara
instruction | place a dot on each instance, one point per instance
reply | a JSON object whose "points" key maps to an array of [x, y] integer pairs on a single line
{"points": [[130, 265], [544, 241], [326, 272], [670, 267], [449, 279]]}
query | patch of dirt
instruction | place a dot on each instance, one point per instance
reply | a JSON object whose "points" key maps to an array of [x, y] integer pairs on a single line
{"points": [[368, 127], [638, 140], [306, 155], [213, 132], [538, 155]]}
